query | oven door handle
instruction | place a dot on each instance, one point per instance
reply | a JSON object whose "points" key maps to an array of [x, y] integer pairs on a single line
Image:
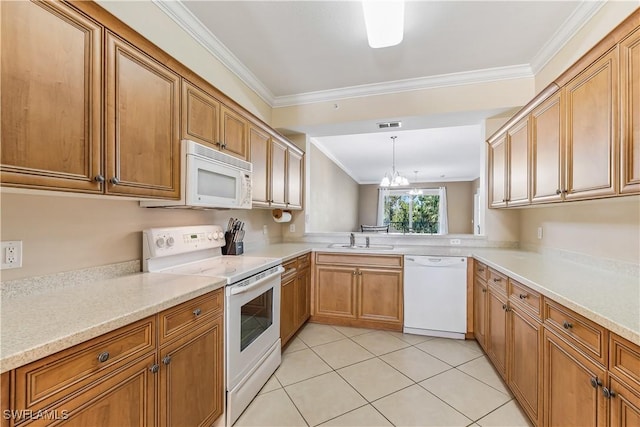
{"points": [[242, 289]]}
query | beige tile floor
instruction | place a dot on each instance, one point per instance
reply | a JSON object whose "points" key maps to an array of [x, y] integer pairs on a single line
{"points": [[340, 376]]}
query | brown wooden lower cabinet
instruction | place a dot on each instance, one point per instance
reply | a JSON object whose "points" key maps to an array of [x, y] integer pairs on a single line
{"points": [[479, 311], [357, 290], [295, 296], [497, 330], [125, 378], [624, 406], [571, 384]]}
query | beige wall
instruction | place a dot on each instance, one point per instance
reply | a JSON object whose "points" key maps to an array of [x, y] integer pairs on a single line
{"points": [[605, 20], [607, 228], [459, 204], [333, 196], [62, 233], [152, 23]]}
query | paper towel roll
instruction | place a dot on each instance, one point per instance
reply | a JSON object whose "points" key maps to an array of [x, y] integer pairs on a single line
{"points": [[283, 217]]}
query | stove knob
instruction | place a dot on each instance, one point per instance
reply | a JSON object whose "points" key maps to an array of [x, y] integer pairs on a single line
{"points": [[170, 241], [211, 236], [220, 235], [160, 242]]}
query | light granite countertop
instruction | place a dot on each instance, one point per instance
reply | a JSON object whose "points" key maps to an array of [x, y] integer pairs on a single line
{"points": [[33, 326], [608, 298]]}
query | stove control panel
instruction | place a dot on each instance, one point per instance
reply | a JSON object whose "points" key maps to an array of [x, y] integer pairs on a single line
{"points": [[160, 242]]}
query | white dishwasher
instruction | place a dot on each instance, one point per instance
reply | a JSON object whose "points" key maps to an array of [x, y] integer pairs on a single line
{"points": [[435, 296]]}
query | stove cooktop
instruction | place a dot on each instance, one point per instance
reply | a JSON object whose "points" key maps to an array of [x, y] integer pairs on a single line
{"points": [[233, 268]]}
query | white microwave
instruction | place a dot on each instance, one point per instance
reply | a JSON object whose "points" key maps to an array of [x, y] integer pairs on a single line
{"points": [[209, 179]]}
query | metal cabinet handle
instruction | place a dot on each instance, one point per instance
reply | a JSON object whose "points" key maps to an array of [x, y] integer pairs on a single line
{"points": [[154, 368], [484, 290], [567, 325], [558, 191], [354, 272], [98, 178], [359, 273], [565, 191], [595, 382], [166, 360], [608, 393], [481, 270], [523, 296], [497, 279], [197, 312], [103, 357], [114, 180], [504, 307]]}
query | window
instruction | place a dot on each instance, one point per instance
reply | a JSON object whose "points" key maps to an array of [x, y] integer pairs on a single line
{"points": [[413, 213]]}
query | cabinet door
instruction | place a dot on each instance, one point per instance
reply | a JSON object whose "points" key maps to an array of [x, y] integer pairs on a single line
{"points": [[497, 330], [233, 133], [525, 361], [380, 295], [51, 100], [335, 292], [287, 309], [200, 116], [592, 131], [630, 113], [124, 399], [569, 398], [278, 173], [191, 378], [303, 294], [295, 179], [259, 143], [498, 173], [518, 164], [143, 122], [480, 312], [624, 404], [546, 151]]}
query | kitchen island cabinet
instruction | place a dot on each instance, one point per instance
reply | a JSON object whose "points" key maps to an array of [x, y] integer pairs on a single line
{"points": [[358, 290]]}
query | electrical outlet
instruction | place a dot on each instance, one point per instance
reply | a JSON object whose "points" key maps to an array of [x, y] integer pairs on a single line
{"points": [[292, 228], [12, 254], [455, 241], [265, 230], [539, 232]]}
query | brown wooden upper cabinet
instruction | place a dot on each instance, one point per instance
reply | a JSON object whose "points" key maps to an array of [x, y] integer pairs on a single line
{"points": [[592, 131], [233, 132], [630, 114], [295, 178], [498, 172], [547, 151], [518, 164], [51, 97], [278, 174], [200, 116], [142, 123], [260, 152]]}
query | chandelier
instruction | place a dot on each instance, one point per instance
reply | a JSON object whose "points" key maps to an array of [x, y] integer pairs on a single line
{"points": [[395, 179]]}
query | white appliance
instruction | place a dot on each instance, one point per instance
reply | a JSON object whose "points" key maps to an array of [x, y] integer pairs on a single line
{"points": [[252, 302], [209, 179], [435, 296]]}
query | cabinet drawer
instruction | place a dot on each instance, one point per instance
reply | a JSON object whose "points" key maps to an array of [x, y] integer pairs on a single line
{"points": [[498, 280], [176, 321], [530, 299], [45, 381], [290, 268], [481, 271], [624, 359], [581, 332], [359, 260], [304, 261]]}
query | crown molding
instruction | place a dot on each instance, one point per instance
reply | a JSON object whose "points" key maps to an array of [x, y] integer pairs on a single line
{"points": [[182, 16], [583, 13], [442, 80]]}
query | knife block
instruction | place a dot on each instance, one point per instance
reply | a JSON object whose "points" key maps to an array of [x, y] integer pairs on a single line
{"points": [[230, 247]]}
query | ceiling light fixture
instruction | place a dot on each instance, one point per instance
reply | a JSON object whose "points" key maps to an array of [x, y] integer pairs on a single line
{"points": [[384, 21], [395, 180], [415, 191]]}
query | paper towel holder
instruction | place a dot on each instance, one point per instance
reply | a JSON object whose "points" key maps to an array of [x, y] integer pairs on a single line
{"points": [[277, 213]]}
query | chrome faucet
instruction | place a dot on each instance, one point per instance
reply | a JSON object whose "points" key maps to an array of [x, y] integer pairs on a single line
{"points": [[352, 240]]}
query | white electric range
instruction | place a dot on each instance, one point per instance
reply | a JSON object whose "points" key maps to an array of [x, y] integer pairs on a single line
{"points": [[252, 302]]}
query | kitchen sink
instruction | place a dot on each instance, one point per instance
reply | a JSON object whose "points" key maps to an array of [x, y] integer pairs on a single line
{"points": [[348, 246]]}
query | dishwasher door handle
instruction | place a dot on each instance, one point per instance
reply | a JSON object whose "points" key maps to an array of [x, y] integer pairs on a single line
{"points": [[434, 261]]}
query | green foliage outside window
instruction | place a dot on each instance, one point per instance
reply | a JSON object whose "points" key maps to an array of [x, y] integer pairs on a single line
{"points": [[412, 213]]}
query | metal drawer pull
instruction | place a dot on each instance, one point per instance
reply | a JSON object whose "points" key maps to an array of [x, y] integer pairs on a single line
{"points": [[497, 279], [154, 368], [197, 312], [567, 325], [608, 393], [484, 290], [103, 357], [481, 270], [595, 382], [523, 296], [504, 307], [166, 360]]}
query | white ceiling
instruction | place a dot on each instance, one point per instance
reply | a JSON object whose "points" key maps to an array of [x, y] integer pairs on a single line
{"points": [[292, 52]]}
